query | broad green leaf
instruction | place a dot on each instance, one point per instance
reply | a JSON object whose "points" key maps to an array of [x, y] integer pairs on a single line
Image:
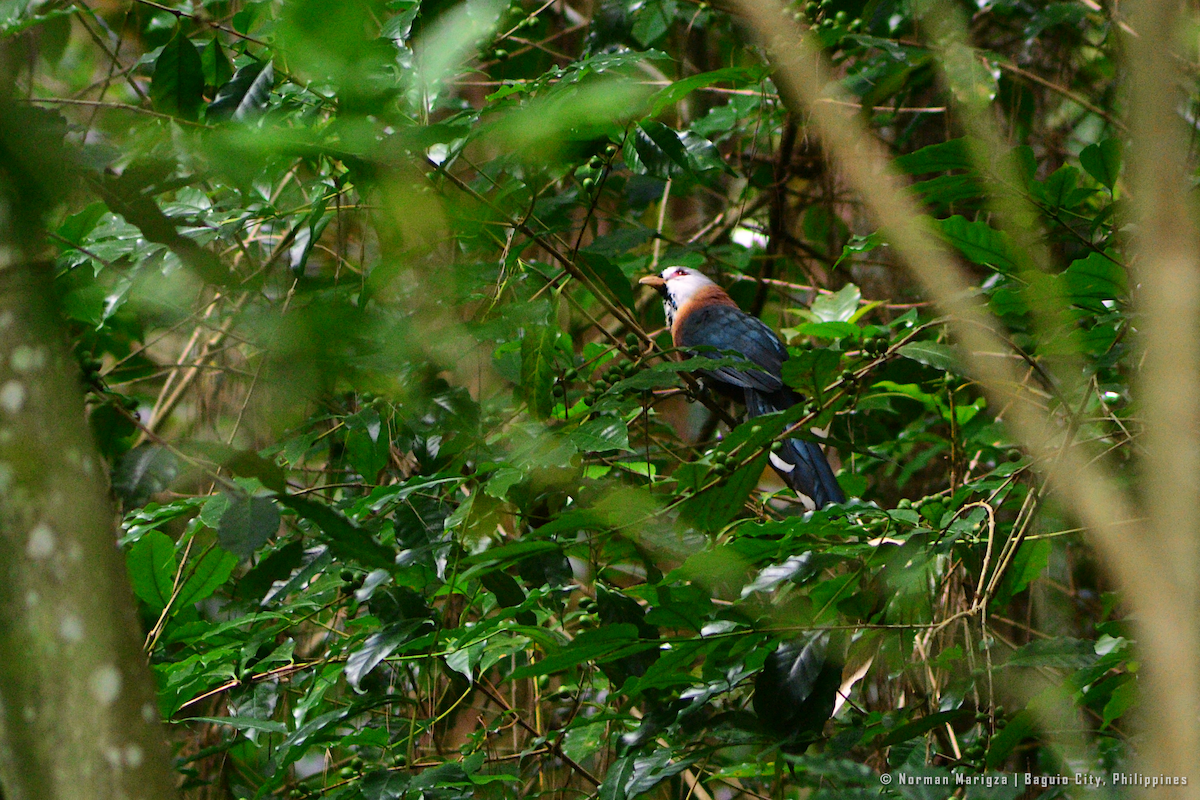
{"points": [[938, 356], [1091, 281], [839, 306], [1121, 700], [860, 244], [1059, 653], [600, 434], [242, 723], [245, 95], [1019, 728], [144, 471], [217, 69], [177, 87], [812, 371], [247, 524], [347, 541], [634, 775], [941, 157], [652, 19], [713, 508], [945, 190], [205, 576], [795, 569], [609, 275], [1031, 559], [1103, 161], [367, 443], [376, 648], [922, 726], [152, 567], [980, 243], [537, 368], [682, 88]]}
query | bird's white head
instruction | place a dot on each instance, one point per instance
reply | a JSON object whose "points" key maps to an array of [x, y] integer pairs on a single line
{"points": [[677, 285]]}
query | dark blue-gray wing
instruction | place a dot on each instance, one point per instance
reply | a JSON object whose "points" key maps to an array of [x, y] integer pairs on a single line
{"points": [[726, 328]]}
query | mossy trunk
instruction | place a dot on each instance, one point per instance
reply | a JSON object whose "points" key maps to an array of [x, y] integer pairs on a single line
{"points": [[78, 717]]}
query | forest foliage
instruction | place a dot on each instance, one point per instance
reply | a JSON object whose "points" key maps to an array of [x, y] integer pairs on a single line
{"points": [[417, 498]]}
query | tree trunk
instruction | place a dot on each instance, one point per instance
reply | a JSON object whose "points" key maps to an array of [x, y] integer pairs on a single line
{"points": [[78, 716]]}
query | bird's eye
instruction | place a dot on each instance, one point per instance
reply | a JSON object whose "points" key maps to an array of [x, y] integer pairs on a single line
{"points": [[679, 273]]}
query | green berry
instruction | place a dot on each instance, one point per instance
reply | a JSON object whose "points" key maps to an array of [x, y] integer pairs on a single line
{"points": [[587, 184], [631, 340], [595, 162], [357, 763], [347, 576], [570, 374], [500, 54], [610, 150], [345, 773]]}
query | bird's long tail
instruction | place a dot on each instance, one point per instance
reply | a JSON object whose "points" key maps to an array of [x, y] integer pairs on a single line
{"points": [[800, 464]]}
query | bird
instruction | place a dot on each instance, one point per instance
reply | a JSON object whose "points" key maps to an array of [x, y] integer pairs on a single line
{"points": [[701, 314]]}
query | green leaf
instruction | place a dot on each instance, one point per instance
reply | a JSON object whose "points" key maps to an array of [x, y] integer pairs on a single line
{"points": [[246, 95], [812, 372], [839, 306], [980, 243], [1060, 653], [944, 190], [609, 274], [537, 368], [242, 723], [367, 444], [1019, 728], [152, 567], [247, 524], [859, 244], [217, 69], [177, 87], [667, 153], [938, 356], [680, 89], [652, 19], [601, 434], [795, 569], [347, 541], [921, 726], [144, 471], [712, 509], [1103, 161], [1029, 562], [376, 648], [634, 775], [1092, 280], [941, 157], [205, 576], [1121, 700], [661, 152]]}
